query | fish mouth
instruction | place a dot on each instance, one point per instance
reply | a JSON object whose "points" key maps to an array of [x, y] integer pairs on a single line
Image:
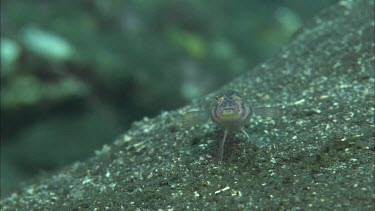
{"points": [[229, 112]]}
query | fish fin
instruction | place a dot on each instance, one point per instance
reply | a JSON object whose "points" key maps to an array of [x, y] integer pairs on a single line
{"points": [[245, 133], [269, 112], [192, 118]]}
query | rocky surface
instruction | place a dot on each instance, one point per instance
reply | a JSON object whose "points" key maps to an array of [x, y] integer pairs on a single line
{"points": [[319, 155]]}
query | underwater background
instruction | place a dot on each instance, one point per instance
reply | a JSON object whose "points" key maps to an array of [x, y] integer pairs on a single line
{"points": [[76, 74]]}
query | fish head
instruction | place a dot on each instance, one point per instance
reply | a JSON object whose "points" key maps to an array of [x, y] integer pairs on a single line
{"points": [[230, 110]]}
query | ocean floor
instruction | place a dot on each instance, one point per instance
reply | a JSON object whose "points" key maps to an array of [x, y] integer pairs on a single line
{"points": [[318, 154]]}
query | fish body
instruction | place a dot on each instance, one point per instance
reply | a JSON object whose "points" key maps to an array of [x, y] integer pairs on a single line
{"points": [[230, 111]]}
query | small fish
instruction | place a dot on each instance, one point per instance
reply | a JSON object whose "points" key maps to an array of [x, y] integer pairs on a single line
{"points": [[229, 111]]}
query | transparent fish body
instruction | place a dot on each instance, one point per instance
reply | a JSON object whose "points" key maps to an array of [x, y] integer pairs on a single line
{"points": [[231, 112]]}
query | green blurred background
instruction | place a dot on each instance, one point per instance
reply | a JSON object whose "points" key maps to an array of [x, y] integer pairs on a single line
{"points": [[76, 73]]}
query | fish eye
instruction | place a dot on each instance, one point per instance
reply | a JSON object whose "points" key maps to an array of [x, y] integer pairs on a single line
{"points": [[237, 98], [219, 99]]}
